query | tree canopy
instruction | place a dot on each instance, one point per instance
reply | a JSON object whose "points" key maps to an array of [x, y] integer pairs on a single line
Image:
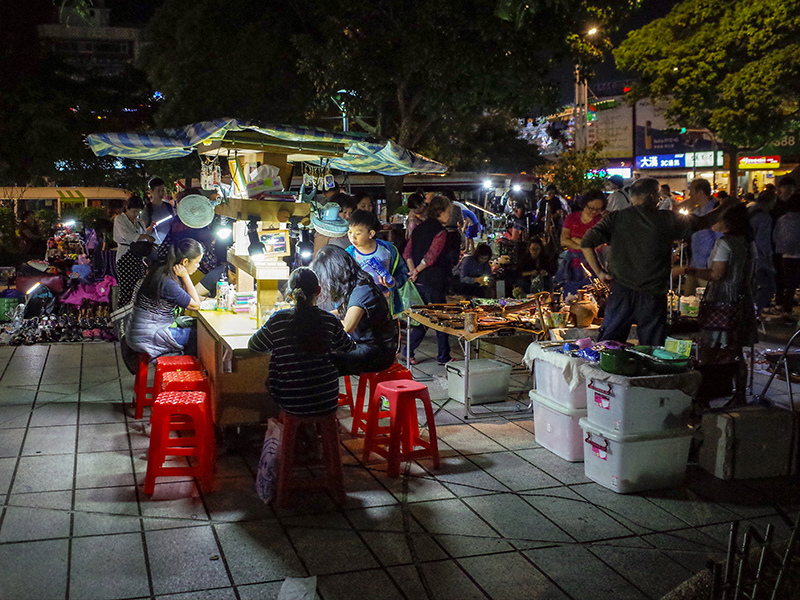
{"points": [[433, 76], [732, 66]]}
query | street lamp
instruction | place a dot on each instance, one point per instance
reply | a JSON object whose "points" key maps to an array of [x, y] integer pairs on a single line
{"points": [[581, 110]]}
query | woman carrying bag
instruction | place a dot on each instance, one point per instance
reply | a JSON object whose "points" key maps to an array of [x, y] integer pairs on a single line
{"points": [[727, 316]]}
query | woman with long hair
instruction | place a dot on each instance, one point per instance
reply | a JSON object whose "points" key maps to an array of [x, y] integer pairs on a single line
{"points": [[302, 377], [363, 310], [165, 290], [727, 315]]}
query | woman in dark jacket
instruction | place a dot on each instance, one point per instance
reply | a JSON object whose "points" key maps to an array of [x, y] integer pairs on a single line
{"points": [[429, 268]]}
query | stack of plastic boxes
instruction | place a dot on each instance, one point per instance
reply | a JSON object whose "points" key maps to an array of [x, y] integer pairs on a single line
{"points": [[559, 401], [637, 432]]}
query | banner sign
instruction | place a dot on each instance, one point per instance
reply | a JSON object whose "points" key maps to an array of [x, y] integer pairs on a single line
{"points": [[759, 162]]}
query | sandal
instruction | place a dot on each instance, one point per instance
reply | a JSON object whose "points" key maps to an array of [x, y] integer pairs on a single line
{"points": [[413, 361]]}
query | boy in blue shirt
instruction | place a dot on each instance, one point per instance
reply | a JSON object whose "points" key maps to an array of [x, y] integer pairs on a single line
{"points": [[378, 258]]}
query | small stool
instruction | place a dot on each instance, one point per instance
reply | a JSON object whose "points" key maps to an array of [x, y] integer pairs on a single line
{"points": [[184, 381], [327, 428], [394, 373], [403, 436], [180, 411], [346, 399], [144, 395]]}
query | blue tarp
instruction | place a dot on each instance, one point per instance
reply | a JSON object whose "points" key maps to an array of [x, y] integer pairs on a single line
{"points": [[361, 153]]}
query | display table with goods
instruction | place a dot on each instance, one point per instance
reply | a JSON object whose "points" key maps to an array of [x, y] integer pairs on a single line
{"points": [[237, 377], [472, 320]]}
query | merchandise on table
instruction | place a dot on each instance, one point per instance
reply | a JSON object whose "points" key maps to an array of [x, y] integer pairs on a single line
{"points": [[490, 315], [626, 463], [749, 442], [632, 405], [488, 381], [557, 427]]}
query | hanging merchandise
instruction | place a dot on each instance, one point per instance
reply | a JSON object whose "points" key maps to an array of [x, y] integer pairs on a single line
{"points": [[210, 173], [239, 184]]}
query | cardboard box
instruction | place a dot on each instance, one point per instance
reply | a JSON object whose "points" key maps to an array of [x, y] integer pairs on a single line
{"points": [[749, 442]]}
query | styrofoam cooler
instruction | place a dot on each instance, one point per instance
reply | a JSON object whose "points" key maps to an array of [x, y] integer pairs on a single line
{"points": [[629, 409], [488, 381], [557, 427], [638, 462]]}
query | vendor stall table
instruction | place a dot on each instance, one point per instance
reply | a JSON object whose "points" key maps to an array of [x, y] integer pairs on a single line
{"points": [[236, 376], [466, 338]]}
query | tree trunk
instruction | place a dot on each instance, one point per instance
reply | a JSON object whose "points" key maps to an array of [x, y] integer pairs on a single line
{"points": [[393, 186], [733, 170]]}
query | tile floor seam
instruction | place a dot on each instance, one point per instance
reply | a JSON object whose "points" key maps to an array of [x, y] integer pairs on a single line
{"points": [[12, 479], [136, 489], [624, 577], [222, 556], [525, 557], [74, 481]]}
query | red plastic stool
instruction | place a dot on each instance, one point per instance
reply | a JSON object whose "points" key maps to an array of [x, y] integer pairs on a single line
{"points": [[360, 410], [403, 436], [327, 428], [346, 399], [184, 381], [180, 411], [144, 395]]}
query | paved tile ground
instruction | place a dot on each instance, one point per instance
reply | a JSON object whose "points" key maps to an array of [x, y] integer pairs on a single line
{"points": [[502, 518]]}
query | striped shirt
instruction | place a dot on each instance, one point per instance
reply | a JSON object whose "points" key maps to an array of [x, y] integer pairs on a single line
{"points": [[302, 383]]}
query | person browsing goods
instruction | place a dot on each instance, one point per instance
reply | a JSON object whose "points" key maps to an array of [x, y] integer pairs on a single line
{"points": [[639, 269]]}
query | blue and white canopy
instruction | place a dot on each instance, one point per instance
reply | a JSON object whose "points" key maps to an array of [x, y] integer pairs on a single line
{"points": [[352, 152]]}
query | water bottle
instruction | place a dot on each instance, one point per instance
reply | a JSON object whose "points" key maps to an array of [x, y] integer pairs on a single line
{"points": [[222, 293], [378, 268]]}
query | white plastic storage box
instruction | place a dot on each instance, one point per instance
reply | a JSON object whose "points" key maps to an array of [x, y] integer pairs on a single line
{"points": [[557, 428], [618, 404], [557, 376], [634, 463], [488, 381]]}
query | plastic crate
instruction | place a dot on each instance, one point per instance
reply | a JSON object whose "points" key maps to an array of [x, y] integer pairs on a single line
{"points": [[634, 463], [488, 381], [557, 428], [629, 409]]}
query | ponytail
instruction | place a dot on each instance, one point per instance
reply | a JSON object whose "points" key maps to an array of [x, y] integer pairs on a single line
{"points": [[302, 286]]}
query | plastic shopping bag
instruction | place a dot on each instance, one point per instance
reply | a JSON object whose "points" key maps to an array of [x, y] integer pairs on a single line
{"points": [[407, 297], [266, 480]]}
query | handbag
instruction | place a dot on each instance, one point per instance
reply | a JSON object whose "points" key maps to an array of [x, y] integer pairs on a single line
{"points": [[719, 315], [406, 297], [266, 480]]}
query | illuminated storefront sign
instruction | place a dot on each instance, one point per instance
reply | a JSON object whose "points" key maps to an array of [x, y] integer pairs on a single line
{"points": [[679, 161], [759, 162]]}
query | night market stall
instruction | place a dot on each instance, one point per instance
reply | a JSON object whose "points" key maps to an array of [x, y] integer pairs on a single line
{"points": [[268, 225]]}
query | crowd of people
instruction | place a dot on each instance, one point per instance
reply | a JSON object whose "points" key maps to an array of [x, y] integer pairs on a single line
{"points": [[742, 254]]}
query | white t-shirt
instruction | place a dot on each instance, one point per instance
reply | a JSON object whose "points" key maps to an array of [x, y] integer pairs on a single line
{"points": [[721, 252]]}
